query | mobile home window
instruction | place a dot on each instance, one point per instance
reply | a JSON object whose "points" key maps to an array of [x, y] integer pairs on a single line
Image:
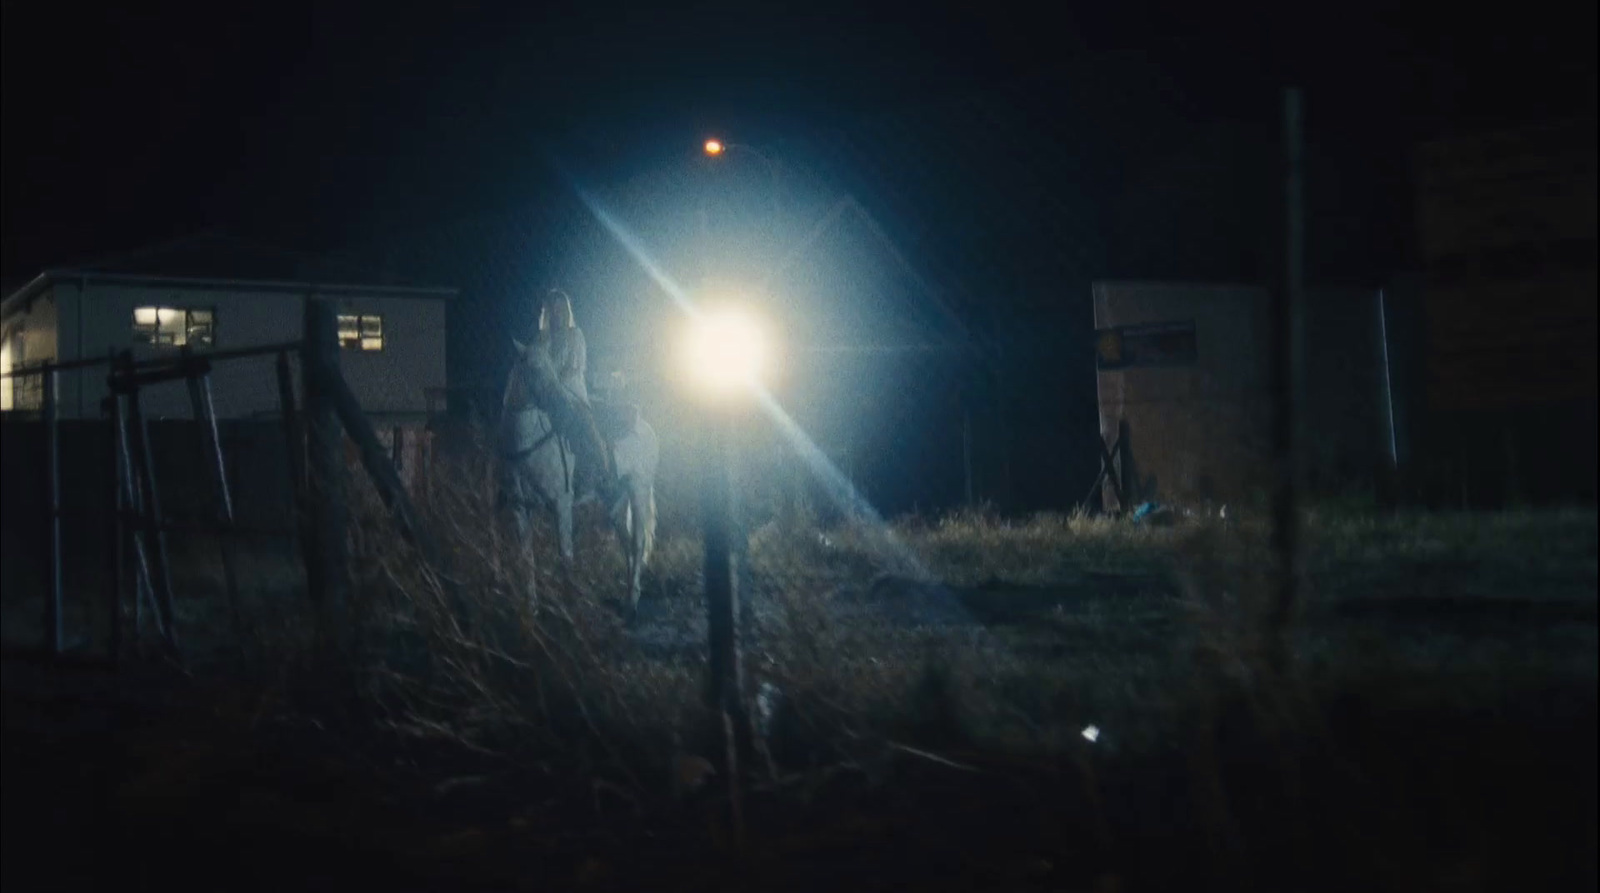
{"points": [[360, 331], [175, 326], [25, 392]]}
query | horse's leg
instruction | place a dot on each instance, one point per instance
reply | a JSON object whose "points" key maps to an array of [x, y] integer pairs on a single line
{"points": [[529, 559], [642, 534], [524, 524], [523, 520], [625, 522], [635, 547]]}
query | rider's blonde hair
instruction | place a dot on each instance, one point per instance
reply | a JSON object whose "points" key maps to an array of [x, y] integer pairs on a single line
{"points": [[555, 298]]}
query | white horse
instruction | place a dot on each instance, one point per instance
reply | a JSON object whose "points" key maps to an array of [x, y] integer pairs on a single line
{"points": [[540, 469]]}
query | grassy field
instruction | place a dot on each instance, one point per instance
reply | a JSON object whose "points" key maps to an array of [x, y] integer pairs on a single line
{"points": [[929, 691]]}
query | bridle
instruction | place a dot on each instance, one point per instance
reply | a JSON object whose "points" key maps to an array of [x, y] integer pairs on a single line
{"points": [[512, 457]]}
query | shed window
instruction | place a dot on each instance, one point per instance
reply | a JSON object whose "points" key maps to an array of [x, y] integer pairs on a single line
{"points": [[175, 326], [363, 331]]}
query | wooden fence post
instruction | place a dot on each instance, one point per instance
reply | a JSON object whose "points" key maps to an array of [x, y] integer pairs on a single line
{"points": [[295, 446], [292, 432], [397, 449], [391, 489], [326, 551]]}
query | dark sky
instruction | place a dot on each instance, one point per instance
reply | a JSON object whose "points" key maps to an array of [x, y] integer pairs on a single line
{"points": [[125, 124]]}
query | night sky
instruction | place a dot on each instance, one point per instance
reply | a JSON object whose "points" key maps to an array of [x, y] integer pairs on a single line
{"points": [[317, 127]]}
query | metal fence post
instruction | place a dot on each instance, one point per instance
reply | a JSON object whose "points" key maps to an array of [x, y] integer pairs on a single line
{"points": [[722, 605], [53, 627], [118, 525], [1289, 378], [145, 470], [966, 452], [1126, 481], [144, 592], [205, 416]]}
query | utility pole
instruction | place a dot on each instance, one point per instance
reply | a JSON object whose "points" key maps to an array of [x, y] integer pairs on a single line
{"points": [[1288, 376]]}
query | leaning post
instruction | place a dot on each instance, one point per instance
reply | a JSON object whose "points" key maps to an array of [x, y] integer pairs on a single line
{"points": [[326, 550]]}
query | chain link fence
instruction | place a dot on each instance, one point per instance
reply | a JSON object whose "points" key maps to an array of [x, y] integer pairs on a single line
{"points": [[919, 591]]}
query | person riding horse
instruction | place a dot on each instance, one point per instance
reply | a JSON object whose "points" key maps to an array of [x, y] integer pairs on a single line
{"points": [[557, 448], [562, 392]]}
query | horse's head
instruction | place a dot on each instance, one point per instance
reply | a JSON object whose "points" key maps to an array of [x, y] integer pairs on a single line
{"points": [[519, 399], [532, 378], [517, 392]]}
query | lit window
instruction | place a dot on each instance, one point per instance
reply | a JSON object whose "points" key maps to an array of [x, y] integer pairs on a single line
{"points": [[175, 326], [24, 392], [10, 359], [27, 391], [362, 331], [200, 327]]}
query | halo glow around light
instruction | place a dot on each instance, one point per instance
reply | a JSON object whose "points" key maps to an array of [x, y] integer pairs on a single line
{"points": [[724, 353]]}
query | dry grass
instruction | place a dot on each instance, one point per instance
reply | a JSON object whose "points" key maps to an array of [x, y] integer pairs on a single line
{"points": [[504, 650], [1153, 635]]}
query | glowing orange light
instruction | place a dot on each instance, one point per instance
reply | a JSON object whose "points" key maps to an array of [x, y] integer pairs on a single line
{"points": [[714, 147]]}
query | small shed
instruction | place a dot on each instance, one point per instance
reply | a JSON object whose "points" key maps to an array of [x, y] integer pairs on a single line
{"points": [[1185, 389]]}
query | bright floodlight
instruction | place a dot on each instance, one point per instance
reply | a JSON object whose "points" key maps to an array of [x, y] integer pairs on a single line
{"points": [[714, 147], [725, 353]]}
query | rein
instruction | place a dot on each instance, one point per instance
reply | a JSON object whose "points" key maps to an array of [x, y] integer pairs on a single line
{"points": [[525, 452], [517, 393]]}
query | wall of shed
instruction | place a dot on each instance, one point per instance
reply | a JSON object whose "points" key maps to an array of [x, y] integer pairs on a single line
{"points": [[1203, 433], [1196, 433]]}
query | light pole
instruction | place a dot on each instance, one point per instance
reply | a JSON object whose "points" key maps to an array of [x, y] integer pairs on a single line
{"points": [[724, 356], [717, 150]]}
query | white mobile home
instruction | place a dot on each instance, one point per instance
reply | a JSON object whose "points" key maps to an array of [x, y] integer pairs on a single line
{"points": [[393, 336]]}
